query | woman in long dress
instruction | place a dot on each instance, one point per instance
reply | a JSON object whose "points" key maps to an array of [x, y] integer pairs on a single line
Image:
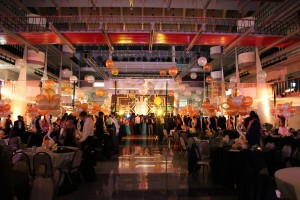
{"points": [[127, 128]]}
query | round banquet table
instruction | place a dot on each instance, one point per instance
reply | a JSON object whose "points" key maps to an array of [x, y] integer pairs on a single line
{"points": [[288, 182], [58, 160]]}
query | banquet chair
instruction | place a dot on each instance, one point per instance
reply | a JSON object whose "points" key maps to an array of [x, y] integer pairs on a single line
{"points": [[205, 160], [42, 165], [74, 167], [183, 146], [21, 162], [42, 188]]}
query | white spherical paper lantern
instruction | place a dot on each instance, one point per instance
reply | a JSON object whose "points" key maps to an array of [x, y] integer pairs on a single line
{"points": [[193, 75], [202, 61], [90, 79]]}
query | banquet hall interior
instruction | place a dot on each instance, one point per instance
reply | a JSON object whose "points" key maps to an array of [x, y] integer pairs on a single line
{"points": [[144, 99]]}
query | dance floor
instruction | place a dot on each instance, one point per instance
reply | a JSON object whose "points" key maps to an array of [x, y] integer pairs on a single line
{"points": [[147, 169]]}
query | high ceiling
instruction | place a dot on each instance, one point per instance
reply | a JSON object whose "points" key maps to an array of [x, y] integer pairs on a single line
{"points": [[141, 36]]}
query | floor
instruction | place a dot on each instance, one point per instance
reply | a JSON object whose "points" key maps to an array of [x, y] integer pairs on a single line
{"points": [[145, 169]]}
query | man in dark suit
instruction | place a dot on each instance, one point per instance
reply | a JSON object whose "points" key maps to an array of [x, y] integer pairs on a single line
{"points": [[19, 128], [248, 119]]}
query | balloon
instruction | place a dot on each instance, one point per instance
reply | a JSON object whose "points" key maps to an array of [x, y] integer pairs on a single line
{"points": [[7, 101], [143, 90], [74, 113], [261, 75], [68, 90], [114, 71], [100, 92], [55, 113], [43, 104], [49, 93], [286, 114], [233, 79], [173, 70], [247, 101], [48, 83], [78, 110], [77, 103], [205, 104], [84, 106], [163, 72], [285, 106], [54, 104], [1, 102], [242, 111], [231, 111], [43, 112], [73, 79], [6, 107], [55, 97], [109, 64], [209, 79], [230, 101], [279, 106], [232, 85], [237, 101], [292, 109], [206, 68], [202, 61], [157, 100]]}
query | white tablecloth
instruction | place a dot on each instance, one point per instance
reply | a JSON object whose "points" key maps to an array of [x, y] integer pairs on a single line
{"points": [[58, 159], [288, 182]]}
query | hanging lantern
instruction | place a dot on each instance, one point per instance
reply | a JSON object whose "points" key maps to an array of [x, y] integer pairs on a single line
{"points": [[109, 64], [171, 93], [209, 79], [90, 79], [157, 100], [202, 61], [173, 71], [48, 84], [73, 79], [163, 72], [193, 75], [100, 93], [114, 71], [207, 68], [66, 73], [86, 77], [178, 79], [131, 95]]}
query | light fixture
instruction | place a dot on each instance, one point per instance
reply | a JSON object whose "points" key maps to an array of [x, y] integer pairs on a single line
{"points": [[193, 75], [202, 61], [73, 79]]}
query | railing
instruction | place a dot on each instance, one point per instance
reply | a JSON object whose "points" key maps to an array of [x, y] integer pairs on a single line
{"points": [[134, 23], [288, 86]]}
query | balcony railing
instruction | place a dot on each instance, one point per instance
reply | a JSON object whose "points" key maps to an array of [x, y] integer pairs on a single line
{"points": [[143, 24], [286, 87]]}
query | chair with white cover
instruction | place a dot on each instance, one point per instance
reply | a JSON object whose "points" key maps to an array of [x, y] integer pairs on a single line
{"points": [[205, 160], [42, 188], [21, 162], [42, 165], [74, 167], [183, 146]]}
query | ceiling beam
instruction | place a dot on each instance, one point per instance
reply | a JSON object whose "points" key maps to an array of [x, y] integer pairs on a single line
{"points": [[237, 40], [19, 38], [280, 41], [97, 69], [196, 38], [61, 36], [108, 42]]}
